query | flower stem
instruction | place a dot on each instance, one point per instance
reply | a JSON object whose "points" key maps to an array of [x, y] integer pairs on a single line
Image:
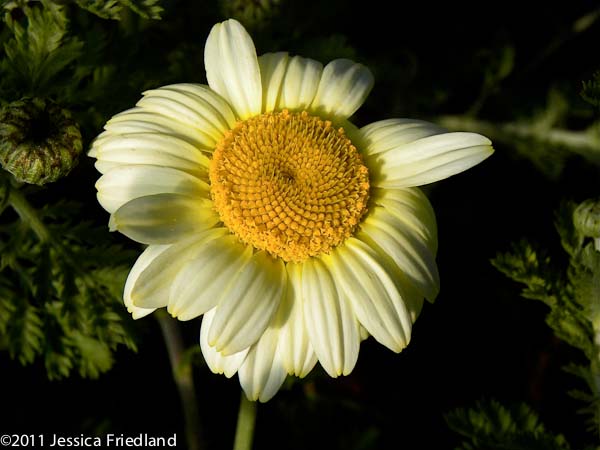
{"points": [[584, 143], [27, 214], [245, 425], [182, 375]]}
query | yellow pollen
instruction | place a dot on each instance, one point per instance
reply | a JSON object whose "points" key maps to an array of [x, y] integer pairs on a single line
{"points": [[289, 183]]}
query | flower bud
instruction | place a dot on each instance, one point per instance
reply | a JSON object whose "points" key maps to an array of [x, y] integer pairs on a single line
{"points": [[587, 218], [39, 141]]}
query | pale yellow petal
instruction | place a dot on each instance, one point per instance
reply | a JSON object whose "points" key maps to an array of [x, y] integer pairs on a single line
{"points": [[205, 280], [412, 207], [402, 243], [386, 135], [272, 70], [376, 300], [164, 218], [249, 304], [152, 287], [300, 83], [331, 324], [127, 182], [232, 68], [204, 112], [151, 148], [262, 373], [428, 159], [343, 88], [143, 261], [217, 363], [297, 352]]}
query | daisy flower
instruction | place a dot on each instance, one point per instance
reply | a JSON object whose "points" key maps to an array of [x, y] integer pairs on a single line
{"points": [[293, 232]]}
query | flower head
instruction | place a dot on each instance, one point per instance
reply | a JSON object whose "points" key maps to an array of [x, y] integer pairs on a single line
{"points": [[293, 232]]}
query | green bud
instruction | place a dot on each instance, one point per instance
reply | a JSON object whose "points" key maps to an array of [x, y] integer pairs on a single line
{"points": [[587, 218], [39, 141]]}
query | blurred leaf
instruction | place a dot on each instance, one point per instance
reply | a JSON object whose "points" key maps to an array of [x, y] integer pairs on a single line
{"points": [[591, 90], [61, 298], [492, 426], [113, 9], [38, 51]]}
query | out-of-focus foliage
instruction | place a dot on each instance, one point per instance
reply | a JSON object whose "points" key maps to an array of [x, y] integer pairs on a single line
{"points": [[572, 293], [61, 277], [39, 50], [253, 13], [492, 426], [61, 284], [542, 139], [591, 90], [114, 9]]}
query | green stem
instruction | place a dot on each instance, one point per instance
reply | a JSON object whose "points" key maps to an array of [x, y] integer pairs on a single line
{"points": [[182, 375], [245, 425], [27, 214], [585, 143]]}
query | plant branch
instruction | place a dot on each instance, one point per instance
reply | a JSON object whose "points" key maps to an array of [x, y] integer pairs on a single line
{"points": [[585, 143], [182, 375], [244, 432]]}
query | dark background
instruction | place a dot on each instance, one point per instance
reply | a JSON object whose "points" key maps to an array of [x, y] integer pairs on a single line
{"points": [[479, 340]]}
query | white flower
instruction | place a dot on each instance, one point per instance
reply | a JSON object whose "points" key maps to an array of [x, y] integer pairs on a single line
{"points": [[293, 232]]}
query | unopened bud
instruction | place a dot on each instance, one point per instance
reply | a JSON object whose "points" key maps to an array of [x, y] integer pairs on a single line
{"points": [[39, 141], [587, 220]]}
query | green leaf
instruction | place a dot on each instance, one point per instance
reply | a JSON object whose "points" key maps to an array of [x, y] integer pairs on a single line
{"points": [[572, 293], [61, 298], [113, 9], [39, 50], [590, 91], [492, 426]]}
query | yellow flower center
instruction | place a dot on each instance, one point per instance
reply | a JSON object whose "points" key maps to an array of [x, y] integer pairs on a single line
{"points": [[289, 183]]}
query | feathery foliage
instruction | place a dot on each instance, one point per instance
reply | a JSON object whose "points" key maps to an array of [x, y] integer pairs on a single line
{"points": [[115, 9], [572, 294], [61, 283], [492, 426], [39, 50]]}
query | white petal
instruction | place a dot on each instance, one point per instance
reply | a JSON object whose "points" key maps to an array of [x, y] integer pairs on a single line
{"points": [[375, 299], [124, 183], [297, 352], [136, 120], [142, 120], [364, 334], [404, 246], [262, 373], [428, 159], [248, 305], [332, 326], [196, 106], [205, 280], [151, 288], [411, 207], [232, 67], [386, 135], [163, 218], [218, 363], [272, 70], [154, 149], [143, 261], [300, 83], [343, 88]]}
